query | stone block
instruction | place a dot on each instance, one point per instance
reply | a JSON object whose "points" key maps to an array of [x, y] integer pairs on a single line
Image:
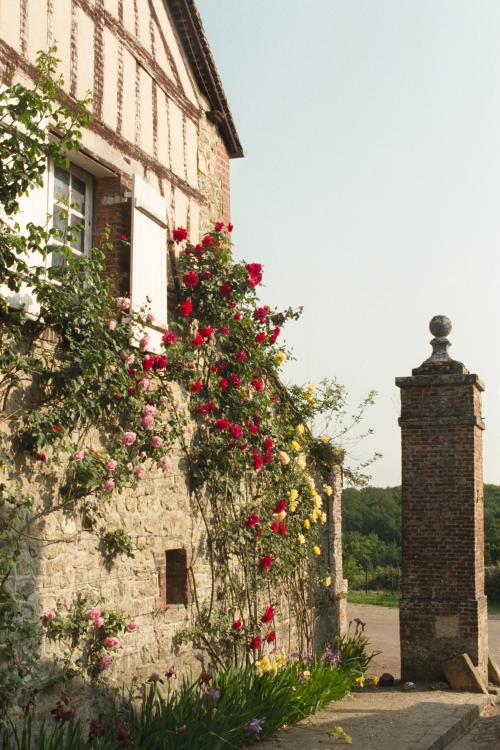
{"points": [[463, 675], [493, 671]]}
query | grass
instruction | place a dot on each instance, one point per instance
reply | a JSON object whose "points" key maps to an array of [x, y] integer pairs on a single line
{"points": [[390, 599]]}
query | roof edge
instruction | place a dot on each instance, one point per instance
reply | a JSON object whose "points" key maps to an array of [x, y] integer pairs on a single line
{"points": [[191, 31]]}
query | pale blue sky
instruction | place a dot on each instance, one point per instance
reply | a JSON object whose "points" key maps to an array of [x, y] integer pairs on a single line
{"points": [[371, 186]]}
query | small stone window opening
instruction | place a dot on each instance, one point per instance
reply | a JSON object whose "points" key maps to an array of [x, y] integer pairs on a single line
{"points": [[176, 577]]}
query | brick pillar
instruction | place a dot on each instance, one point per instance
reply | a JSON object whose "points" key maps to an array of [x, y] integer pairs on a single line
{"points": [[332, 608], [443, 609]]}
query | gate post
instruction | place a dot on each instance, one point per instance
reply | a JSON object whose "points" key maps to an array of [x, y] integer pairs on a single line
{"points": [[443, 611]]}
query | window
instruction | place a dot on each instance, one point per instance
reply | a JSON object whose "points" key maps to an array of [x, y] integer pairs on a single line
{"points": [[70, 196], [176, 582]]}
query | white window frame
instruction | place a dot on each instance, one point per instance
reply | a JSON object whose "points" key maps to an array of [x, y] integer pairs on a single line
{"points": [[88, 179]]}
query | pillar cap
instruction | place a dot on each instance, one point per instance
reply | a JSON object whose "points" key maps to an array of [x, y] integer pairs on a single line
{"points": [[440, 360]]}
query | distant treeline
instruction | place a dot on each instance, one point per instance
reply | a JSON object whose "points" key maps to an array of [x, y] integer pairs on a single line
{"points": [[372, 535]]}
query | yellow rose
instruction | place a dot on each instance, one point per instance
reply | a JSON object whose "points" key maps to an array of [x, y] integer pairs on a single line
{"points": [[293, 495], [323, 517], [317, 502], [293, 506], [300, 460], [316, 550], [313, 491], [295, 445], [280, 357], [301, 538], [299, 430], [360, 681], [327, 581], [307, 523], [311, 387], [375, 681], [283, 457], [325, 439], [327, 490], [347, 739], [311, 400]]}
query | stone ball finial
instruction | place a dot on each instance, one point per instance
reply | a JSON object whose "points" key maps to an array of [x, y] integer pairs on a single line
{"points": [[440, 326]]}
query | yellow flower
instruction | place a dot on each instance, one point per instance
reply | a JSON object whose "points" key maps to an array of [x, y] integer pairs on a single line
{"points": [[360, 681], [293, 495], [300, 460], [295, 445], [327, 581], [305, 675], [325, 439], [375, 681], [293, 506], [317, 502], [347, 739], [327, 490], [283, 457], [316, 550], [309, 481], [307, 523], [280, 357], [299, 430], [311, 400], [311, 387], [338, 730], [301, 538], [313, 491], [313, 516], [323, 517]]}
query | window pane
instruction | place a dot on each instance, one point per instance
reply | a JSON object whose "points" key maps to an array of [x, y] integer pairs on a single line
{"points": [[77, 242], [60, 218], [61, 185], [57, 259], [78, 194]]}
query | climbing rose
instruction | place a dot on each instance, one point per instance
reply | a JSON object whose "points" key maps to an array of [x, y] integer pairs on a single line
{"points": [[78, 455], [169, 338], [223, 384], [179, 234], [112, 464], [196, 386], [274, 335], [129, 438], [237, 625], [133, 625], [257, 459], [56, 427], [148, 362], [40, 456], [230, 227], [144, 384], [252, 520], [165, 464], [281, 528], [112, 325], [140, 471], [156, 441], [105, 662], [219, 226], [242, 355], [235, 380], [198, 340], [224, 330], [144, 342], [260, 314], [50, 615], [236, 431], [190, 279], [260, 337], [111, 642], [257, 384], [148, 422], [256, 643], [268, 615], [160, 361], [208, 240], [254, 274], [206, 332], [222, 424], [271, 636], [225, 290], [237, 315], [186, 308], [93, 613], [265, 562]]}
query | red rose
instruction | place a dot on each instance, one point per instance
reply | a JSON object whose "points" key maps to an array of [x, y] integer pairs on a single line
{"points": [[280, 507], [265, 562], [223, 384], [232, 304], [252, 520], [254, 274], [224, 330], [274, 527], [169, 338], [271, 636], [190, 279], [222, 424], [268, 457], [268, 444], [206, 274], [56, 427], [179, 234], [148, 362], [237, 315], [255, 643], [160, 362], [202, 409], [281, 528], [257, 384], [186, 308], [257, 459], [242, 355], [225, 290], [213, 368], [198, 340], [208, 240], [206, 332], [132, 390], [219, 226], [124, 237], [251, 427], [237, 625], [40, 456], [132, 370], [260, 314], [196, 386], [235, 380], [230, 227], [260, 338], [259, 532], [268, 615], [236, 431], [274, 335], [199, 246], [211, 406]]}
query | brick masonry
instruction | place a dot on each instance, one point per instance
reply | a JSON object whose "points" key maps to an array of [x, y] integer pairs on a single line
{"points": [[443, 609]]}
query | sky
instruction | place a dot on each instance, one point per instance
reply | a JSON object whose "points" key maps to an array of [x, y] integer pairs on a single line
{"points": [[370, 188]]}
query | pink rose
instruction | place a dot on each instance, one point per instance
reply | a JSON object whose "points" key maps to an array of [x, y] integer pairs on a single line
{"points": [[111, 642], [78, 455], [133, 625], [129, 466], [140, 471], [98, 622], [144, 342], [165, 464], [105, 662], [112, 464], [93, 613], [129, 359], [129, 438], [123, 303], [150, 409], [50, 615], [109, 485], [112, 325], [148, 422], [156, 441], [144, 384]]}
